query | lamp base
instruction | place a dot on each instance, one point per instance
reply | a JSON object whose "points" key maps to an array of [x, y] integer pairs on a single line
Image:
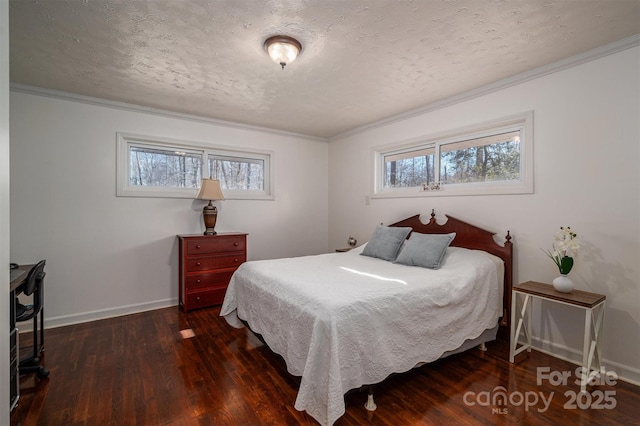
{"points": [[210, 216]]}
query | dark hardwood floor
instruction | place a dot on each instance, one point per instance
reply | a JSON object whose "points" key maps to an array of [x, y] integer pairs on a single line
{"points": [[140, 370]]}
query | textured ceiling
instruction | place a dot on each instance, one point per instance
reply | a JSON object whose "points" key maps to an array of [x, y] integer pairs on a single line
{"points": [[362, 60]]}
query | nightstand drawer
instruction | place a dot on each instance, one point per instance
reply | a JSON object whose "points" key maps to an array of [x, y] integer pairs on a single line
{"points": [[232, 260], [209, 279], [201, 299], [218, 244]]}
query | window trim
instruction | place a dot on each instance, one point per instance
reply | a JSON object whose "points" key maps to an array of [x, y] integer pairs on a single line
{"points": [[124, 189], [522, 122]]}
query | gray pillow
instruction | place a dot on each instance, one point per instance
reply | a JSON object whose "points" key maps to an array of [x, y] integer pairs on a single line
{"points": [[385, 242], [425, 250]]}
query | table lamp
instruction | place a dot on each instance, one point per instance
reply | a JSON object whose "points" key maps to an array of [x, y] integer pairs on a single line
{"points": [[210, 190]]}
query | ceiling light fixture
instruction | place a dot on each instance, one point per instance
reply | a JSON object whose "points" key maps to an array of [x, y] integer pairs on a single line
{"points": [[282, 49]]}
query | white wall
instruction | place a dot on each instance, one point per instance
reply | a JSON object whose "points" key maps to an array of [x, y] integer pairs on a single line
{"points": [[109, 255], [586, 156], [4, 210]]}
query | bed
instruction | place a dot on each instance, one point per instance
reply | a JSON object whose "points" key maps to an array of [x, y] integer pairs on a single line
{"points": [[345, 320]]}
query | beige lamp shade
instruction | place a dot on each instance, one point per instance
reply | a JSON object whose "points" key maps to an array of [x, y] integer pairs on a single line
{"points": [[210, 190]]}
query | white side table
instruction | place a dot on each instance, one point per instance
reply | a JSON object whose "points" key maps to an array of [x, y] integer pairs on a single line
{"points": [[593, 305]]}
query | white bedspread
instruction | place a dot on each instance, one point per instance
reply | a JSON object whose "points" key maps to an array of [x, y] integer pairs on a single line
{"points": [[342, 320]]}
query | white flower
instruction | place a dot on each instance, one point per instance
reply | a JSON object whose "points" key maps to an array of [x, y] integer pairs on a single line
{"points": [[566, 241], [573, 246], [565, 245]]}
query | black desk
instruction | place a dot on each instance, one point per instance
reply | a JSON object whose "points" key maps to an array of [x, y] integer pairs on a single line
{"points": [[14, 355], [20, 279]]}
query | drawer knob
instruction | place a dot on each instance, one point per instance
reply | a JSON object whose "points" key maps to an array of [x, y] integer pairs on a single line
{"points": [[235, 260], [198, 263], [198, 298], [198, 281], [235, 244], [197, 246]]}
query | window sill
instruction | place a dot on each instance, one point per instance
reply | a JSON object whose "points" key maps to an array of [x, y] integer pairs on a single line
{"points": [[471, 189]]}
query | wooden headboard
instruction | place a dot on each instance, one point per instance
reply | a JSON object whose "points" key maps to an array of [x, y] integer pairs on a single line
{"points": [[472, 237]]}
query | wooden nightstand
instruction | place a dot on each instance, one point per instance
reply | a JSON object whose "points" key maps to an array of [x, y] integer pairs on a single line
{"points": [[207, 263], [593, 305]]}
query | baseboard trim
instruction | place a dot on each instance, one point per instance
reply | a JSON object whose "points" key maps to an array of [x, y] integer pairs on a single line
{"points": [[624, 372], [63, 320]]}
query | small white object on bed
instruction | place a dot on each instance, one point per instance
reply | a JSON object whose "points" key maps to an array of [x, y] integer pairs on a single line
{"points": [[343, 320]]}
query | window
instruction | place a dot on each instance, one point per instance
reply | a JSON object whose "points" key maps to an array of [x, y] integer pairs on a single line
{"points": [[162, 167], [237, 173], [155, 167], [491, 158], [409, 168]]}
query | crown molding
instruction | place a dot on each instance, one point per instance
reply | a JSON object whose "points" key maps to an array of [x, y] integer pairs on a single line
{"points": [[572, 61], [57, 94]]}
